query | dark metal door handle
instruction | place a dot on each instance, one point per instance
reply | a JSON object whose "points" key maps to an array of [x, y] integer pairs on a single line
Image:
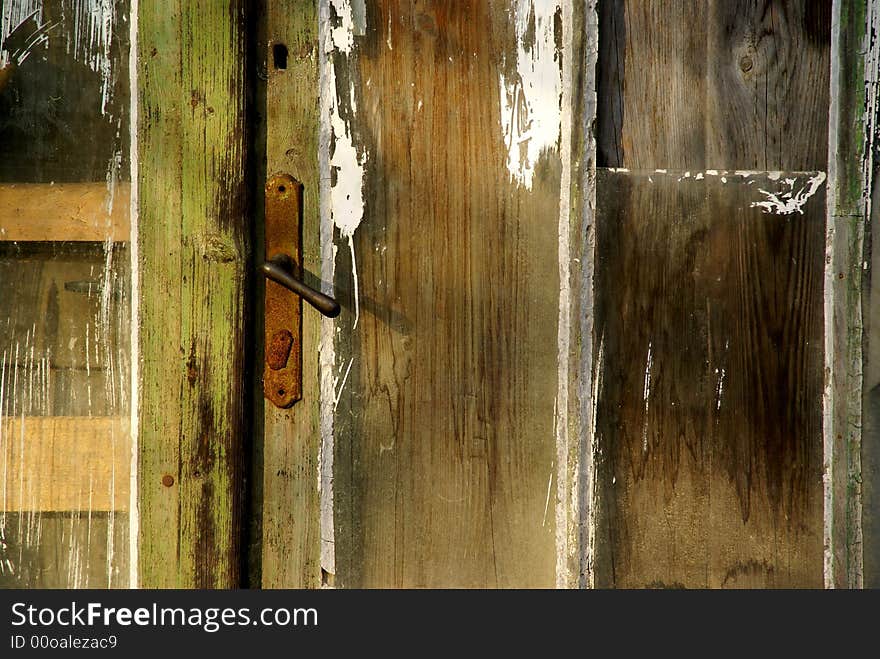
{"points": [[279, 269]]}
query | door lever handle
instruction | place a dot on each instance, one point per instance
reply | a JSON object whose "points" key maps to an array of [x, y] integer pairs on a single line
{"points": [[279, 269]]}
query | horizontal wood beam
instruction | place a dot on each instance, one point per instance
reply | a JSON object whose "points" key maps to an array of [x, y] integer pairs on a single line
{"points": [[64, 463], [64, 211]]}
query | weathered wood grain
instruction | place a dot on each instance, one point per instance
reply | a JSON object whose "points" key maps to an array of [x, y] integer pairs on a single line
{"points": [[444, 428], [852, 532], [78, 549], [718, 84], [709, 343], [58, 312], [574, 500], [66, 211], [66, 463], [286, 532], [193, 239]]}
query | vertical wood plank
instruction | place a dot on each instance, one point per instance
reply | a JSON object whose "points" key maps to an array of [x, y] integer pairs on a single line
{"points": [[193, 240], [289, 499], [446, 363], [574, 443], [691, 86], [851, 163]]}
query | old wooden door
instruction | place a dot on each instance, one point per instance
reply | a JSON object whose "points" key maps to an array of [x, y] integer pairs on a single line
{"points": [[600, 275], [548, 372], [438, 211]]}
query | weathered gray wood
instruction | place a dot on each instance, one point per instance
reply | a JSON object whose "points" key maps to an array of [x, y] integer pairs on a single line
{"points": [[719, 84], [852, 162], [575, 482], [709, 343], [78, 550]]}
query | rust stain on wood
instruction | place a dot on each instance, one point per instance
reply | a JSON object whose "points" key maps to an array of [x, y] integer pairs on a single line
{"points": [[282, 375]]}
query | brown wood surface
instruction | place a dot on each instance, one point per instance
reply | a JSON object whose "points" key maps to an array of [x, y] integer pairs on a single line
{"points": [[65, 463], [709, 341], [691, 84], [64, 211], [444, 429]]}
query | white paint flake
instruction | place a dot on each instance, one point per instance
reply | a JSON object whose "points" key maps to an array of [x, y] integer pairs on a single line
{"points": [[719, 388], [792, 200], [646, 395], [346, 160], [531, 99], [342, 208]]}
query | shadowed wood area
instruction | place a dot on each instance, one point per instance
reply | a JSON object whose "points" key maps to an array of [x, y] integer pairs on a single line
{"points": [[709, 341], [695, 84], [444, 428]]}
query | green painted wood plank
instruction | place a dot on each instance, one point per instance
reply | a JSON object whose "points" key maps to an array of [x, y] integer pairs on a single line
{"points": [[192, 237]]}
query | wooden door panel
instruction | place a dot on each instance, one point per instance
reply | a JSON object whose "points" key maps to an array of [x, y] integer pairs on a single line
{"points": [[446, 356], [709, 343]]}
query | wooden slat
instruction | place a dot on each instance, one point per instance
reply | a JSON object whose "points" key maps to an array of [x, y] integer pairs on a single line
{"points": [[709, 341], [193, 240], [727, 84], [287, 502], [64, 464], [64, 211], [852, 522]]}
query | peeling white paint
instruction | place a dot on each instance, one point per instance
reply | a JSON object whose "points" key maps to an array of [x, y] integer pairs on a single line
{"points": [[646, 395], [547, 499], [13, 14], [531, 101], [346, 160], [342, 206], [89, 30], [388, 39], [787, 202], [719, 387]]}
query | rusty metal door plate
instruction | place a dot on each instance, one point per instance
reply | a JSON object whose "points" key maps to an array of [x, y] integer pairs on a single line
{"points": [[282, 371]]}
